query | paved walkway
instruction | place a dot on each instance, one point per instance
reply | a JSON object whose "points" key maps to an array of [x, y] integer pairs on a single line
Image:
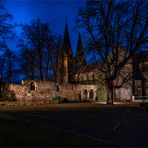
{"points": [[124, 125]]}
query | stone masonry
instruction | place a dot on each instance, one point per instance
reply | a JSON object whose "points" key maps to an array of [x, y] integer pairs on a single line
{"points": [[44, 91]]}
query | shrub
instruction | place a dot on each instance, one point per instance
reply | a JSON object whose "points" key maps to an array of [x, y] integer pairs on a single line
{"points": [[101, 93], [56, 99]]}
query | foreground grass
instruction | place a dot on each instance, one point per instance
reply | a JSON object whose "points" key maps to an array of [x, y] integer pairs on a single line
{"points": [[17, 134]]}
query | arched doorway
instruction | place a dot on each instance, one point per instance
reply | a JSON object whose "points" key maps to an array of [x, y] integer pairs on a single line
{"points": [[79, 96], [85, 94], [91, 94], [58, 87], [32, 86]]}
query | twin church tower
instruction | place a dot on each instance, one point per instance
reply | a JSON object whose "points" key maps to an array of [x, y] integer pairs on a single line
{"points": [[67, 63]]}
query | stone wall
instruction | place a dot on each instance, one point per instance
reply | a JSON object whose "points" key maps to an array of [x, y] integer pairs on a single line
{"points": [[44, 91], [124, 94]]}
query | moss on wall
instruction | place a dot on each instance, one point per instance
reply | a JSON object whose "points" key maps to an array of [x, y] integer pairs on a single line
{"points": [[101, 93]]}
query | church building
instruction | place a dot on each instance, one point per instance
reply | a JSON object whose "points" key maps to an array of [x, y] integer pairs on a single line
{"points": [[78, 81]]}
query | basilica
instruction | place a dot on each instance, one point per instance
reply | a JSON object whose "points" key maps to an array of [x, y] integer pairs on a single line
{"points": [[77, 79]]}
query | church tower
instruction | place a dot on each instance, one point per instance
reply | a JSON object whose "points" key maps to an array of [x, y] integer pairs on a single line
{"points": [[80, 59], [66, 60]]}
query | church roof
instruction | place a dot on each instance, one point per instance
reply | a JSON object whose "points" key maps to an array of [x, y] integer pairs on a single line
{"points": [[88, 68]]}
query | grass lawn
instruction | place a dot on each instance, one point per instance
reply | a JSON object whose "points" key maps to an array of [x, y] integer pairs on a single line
{"points": [[18, 134]]}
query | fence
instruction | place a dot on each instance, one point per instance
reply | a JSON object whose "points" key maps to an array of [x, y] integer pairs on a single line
{"points": [[140, 98]]}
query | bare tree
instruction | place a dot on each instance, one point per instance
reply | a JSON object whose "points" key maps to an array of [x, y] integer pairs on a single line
{"points": [[26, 62], [53, 45], [2, 65], [9, 58], [5, 29], [5, 22], [113, 27], [38, 50]]}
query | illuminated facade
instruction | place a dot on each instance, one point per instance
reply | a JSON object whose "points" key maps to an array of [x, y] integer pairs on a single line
{"points": [[77, 80]]}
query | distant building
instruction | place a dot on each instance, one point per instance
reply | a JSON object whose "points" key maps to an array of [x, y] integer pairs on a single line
{"points": [[140, 75]]}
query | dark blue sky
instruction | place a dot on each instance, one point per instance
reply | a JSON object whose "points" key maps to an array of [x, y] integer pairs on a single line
{"points": [[53, 11]]}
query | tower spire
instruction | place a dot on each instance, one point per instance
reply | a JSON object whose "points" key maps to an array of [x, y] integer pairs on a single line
{"points": [[67, 58], [80, 57], [66, 41]]}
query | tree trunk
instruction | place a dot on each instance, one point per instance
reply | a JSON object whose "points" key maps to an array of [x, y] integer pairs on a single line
{"points": [[110, 93]]}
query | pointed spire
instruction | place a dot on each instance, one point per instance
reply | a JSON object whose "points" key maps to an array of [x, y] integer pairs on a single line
{"points": [[67, 50], [79, 45], [80, 57], [66, 41]]}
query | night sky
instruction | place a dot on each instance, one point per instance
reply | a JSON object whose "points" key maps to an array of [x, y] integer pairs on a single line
{"points": [[53, 11]]}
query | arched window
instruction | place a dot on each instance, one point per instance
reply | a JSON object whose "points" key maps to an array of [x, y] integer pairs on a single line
{"points": [[58, 87], [32, 86], [91, 94], [13, 96], [79, 96], [85, 94]]}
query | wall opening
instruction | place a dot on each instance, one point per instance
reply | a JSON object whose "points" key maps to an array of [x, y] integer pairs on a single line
{"points": [[58, 87], [85, 94], [13, 96], [32, 86], [91, 94], [79, 96]]}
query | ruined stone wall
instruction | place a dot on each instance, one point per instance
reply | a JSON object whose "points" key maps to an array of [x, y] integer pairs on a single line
{"points": [[44, 91], [78, 91]]}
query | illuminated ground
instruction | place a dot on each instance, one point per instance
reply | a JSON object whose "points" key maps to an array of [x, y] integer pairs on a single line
{"points": [[69, 124]]}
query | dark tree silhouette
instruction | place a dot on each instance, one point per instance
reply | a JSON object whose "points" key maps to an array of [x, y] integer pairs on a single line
{"points": [[2, 65], [38, 47], [7, 66], [26, 62], [5, 22], [5, 32], [10, 59], [53, 45], [115, 31]]}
